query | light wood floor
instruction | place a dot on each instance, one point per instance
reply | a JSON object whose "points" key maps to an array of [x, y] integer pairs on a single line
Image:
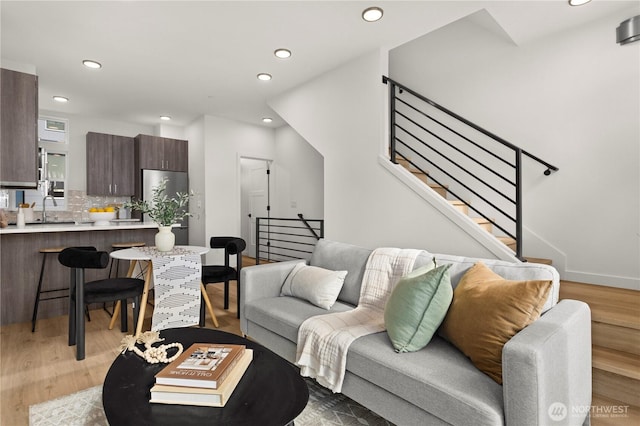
{"points": [[37, 367]]}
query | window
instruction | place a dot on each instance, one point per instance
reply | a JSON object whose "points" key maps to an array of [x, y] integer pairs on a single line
{"points": [[53, 141]]}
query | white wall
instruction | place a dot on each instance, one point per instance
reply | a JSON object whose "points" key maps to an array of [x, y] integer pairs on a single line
{"points": [[572, 99], [341, 115], [299, 175], [79, 126], [194, 133], [225, 141], [169, 131]]}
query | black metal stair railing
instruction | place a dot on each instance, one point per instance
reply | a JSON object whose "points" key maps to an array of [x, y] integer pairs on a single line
{"points": [[471, 162], [281, 239]]}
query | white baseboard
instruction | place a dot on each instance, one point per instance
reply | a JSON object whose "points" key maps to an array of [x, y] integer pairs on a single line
{"points": [[604, 280]]}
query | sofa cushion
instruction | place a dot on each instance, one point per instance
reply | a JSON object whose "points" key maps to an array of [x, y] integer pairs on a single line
{"points": [[417, 306], [317, 285], [339, 256], [438, 378], [508, 270], [342, 257], [487, 311], [284, 314]]}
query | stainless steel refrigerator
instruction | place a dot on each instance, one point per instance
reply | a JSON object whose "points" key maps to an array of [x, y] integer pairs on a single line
{"points": [[176, 182]]}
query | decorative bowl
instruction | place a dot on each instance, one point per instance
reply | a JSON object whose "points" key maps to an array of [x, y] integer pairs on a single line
{"points": [[102, 218]]}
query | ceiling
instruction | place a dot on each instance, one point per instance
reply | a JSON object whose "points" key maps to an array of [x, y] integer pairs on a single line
{"points": [[186, 59]]}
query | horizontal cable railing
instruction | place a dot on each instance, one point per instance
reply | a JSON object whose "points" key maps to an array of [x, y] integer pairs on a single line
{"points": [[282, 239], [472, 163]]}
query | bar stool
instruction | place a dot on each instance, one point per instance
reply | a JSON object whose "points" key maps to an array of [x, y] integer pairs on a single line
{"points": [[120, 246], [45, 252]]}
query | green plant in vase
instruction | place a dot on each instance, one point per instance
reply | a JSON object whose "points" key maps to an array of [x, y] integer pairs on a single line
{"points": [[165, 211]]}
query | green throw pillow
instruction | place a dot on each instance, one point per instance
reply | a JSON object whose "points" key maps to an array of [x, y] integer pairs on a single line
{"points": [[417, 306]]}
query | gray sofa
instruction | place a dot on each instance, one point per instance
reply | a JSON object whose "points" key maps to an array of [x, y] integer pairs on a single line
{"points": [[546, 366]]}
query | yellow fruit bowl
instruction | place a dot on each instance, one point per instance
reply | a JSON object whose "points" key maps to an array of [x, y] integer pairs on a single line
{"points": [[102, 218]]}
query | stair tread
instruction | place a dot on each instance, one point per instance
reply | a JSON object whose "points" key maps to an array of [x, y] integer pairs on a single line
{"points": [[631, 416], [480, 220], [615, 337], [506, 240], [618, 362], [599, 293], [539, 260], [406, 163], [620, 316], [609, 305], [615, 386]]}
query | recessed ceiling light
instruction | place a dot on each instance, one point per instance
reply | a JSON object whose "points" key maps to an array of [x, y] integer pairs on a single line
{"points": [[165, 118], [578, 2], [264, 76], [372, 14], [92, 64], [282, 53], [267, 120], [60, 99]]}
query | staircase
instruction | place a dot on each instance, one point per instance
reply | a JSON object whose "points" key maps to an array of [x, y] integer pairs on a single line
{"points": [[484, 168], [615, 336], [466, 162], [461, 206]]}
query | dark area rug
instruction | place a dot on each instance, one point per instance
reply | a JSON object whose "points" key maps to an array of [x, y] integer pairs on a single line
{"points": [[84, 408]]}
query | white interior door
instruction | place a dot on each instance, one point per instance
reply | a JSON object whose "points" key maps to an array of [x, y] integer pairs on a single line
{"points": [[256, 194]]}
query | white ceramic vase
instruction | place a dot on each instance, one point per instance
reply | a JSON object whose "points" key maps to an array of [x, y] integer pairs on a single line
{"points": [[165, 239]]}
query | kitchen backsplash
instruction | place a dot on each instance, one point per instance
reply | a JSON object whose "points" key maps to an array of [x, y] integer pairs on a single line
{"points": [[77, 205]]}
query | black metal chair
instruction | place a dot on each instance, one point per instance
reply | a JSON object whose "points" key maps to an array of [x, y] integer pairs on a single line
{"points": [[98, 291], [224, 273]]}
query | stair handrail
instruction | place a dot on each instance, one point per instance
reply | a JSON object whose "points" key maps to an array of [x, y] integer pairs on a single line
{"points": [[550, 167], [304, 221], [285, 240], [516, 219]]}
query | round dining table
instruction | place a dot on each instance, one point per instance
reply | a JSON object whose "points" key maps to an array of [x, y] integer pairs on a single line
{"points": [[136, 256]]}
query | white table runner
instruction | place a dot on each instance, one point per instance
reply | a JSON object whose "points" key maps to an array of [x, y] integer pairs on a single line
{"points": [[177, 275]]}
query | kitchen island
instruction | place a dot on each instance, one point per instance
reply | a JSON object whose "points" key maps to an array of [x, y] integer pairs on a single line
{"points": [[21, 260]]}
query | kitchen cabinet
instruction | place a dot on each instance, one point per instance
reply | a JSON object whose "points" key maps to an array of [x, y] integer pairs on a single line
{"points": [[110, 165], [19, 134], [158, 153], [20, 263]]}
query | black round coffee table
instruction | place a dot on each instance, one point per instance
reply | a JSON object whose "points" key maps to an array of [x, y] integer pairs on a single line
{"points": [[271, 392]]}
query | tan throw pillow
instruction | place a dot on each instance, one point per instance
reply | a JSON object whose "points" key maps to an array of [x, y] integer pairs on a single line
{"points": [[487, 311]]}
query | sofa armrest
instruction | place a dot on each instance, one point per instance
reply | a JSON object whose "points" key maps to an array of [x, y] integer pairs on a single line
{"points": [[262, 281], [546, 368]]}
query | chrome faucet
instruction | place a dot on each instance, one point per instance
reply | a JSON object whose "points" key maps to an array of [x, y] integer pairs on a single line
{"points": [[44, 207]]}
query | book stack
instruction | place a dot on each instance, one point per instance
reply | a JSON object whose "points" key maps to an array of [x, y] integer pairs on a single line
{"points": [[205, 374]]}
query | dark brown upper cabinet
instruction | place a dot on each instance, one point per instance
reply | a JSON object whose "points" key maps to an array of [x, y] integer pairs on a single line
{"points": [[110, 165], [19, 134], [158, 153]]}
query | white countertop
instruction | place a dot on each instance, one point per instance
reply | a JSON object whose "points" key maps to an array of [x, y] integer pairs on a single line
{"points": [[70, 227]]}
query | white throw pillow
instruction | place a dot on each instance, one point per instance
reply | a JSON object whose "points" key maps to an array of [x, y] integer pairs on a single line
{"points": [[317, 285]]}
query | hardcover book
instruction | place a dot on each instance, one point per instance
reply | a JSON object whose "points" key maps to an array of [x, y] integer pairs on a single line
{"points": [[203, 365], [163, 394]]}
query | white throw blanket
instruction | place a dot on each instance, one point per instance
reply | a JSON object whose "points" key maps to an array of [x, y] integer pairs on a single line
{"points": [[323, 340]]}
